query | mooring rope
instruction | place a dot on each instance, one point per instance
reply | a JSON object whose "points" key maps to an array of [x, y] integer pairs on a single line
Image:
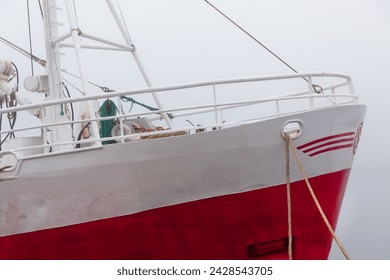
{"points": [[291, 144], [288, 201]]}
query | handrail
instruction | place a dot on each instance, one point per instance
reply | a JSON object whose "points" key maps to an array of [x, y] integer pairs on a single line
{"points": [[175, 87], [216, 122], [228, 105]]}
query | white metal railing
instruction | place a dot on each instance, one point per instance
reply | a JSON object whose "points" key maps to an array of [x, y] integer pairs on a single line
{"points": [[329, 94]]}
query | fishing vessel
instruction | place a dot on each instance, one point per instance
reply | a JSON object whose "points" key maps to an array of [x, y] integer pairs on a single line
{"points": [[196, 170]]}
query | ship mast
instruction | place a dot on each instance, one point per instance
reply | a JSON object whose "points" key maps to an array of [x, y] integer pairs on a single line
{"points": [[53, 114], [53, 70], [88, 110]]}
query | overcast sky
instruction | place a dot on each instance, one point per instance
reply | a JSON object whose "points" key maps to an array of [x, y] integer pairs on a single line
{"points": [[185, 40]]}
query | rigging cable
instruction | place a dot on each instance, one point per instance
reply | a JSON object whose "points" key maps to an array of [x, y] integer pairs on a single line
{"points": [[150, 108], [29, 36], [316, 88], [23, 52], [106, 89], [73, 86]]}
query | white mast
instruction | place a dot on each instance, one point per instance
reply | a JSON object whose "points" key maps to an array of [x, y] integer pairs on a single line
{"points": [[53, 42], [53, 70], [127, 38]]}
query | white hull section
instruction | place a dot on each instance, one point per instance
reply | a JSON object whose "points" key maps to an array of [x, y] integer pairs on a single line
{"points": [[120, 179]]}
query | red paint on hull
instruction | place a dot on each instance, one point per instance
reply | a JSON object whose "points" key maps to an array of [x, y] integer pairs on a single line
{"points": [[246, 225]]}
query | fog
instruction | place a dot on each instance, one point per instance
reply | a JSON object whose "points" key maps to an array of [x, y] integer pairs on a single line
{"points": [[185, 41]]}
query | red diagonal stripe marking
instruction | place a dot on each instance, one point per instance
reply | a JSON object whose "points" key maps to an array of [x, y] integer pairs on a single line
{"points": [[331, 149], [328, 144], [325, 139]]}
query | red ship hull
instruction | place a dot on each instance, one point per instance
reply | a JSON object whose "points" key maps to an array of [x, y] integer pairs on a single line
{"points": [[247, 225]]}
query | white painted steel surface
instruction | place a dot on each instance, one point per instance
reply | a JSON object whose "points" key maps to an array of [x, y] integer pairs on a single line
{"points": [[120, 179]]}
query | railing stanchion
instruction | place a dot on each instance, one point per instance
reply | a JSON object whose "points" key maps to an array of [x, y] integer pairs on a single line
{"points": [[277, 108], [215, 103], [311, 91]]}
